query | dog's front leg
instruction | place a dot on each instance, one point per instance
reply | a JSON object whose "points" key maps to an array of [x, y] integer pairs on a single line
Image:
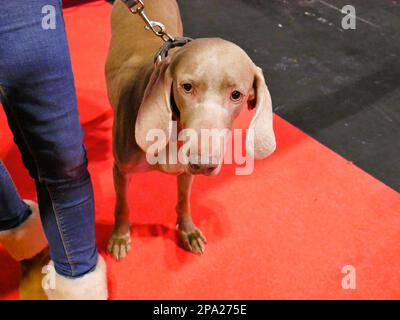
{"points": [[120, 240], [190, 236]]}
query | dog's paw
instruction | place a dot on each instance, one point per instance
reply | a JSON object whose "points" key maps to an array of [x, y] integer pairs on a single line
{"points": [[192, 239], [119, 245]]}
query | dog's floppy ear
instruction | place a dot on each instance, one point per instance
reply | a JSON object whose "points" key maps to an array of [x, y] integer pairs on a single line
{"points": [[155, 110], [260, 141]]}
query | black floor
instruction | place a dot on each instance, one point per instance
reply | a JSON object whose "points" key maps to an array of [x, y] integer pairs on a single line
{"points": [[340, 86]]}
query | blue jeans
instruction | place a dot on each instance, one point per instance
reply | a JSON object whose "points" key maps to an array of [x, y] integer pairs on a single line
{"points": [[39, 99]]}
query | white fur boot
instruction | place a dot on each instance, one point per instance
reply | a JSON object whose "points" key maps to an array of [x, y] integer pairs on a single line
{"points": [[91, 286], [26, 240]]}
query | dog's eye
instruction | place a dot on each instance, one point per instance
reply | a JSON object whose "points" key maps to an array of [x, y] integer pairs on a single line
{"points": [[187, 87], [236, 95]]}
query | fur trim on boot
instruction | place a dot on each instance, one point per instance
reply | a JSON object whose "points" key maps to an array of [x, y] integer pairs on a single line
{"points": [[91, 286], [26, 240]]}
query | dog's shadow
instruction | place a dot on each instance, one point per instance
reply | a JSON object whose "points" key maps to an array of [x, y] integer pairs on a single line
{"points": [[138, 230], [207, 219]]}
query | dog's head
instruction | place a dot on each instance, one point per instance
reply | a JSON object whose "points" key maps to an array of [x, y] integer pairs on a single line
{"points": [[206, 84]]}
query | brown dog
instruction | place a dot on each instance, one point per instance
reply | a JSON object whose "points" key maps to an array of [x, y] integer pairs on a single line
{"points": [[209, 82]]}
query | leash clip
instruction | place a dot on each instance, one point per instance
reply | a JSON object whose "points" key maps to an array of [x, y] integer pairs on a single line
{"points": [[137, 7]]}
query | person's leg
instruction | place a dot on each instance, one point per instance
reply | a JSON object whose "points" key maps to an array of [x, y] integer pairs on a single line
{"points": [[13, 211], [42, 112], [21, 231]]}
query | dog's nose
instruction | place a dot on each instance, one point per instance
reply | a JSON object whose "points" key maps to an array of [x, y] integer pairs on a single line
{"points": [[202, 165]]}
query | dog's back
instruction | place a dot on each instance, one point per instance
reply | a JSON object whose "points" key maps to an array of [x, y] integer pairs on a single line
{"points": [[132, 48]]}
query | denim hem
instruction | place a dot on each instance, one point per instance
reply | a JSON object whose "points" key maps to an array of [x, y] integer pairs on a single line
{"points": [[61, 232], [18, 220]]}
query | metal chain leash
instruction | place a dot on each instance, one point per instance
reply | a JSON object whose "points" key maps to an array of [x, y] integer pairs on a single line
{"points": [[137, 7]]}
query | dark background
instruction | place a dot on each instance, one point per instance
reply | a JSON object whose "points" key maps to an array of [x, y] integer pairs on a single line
{"points": [[342, 87]]}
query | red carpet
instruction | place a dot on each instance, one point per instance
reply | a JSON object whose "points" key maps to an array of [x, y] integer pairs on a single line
{"points": [[284, 232]]}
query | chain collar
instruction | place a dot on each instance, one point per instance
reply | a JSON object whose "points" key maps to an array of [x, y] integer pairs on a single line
{"points": [[162, 53]]}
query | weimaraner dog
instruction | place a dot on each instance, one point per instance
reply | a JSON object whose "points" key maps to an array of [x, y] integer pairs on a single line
{"points": [[202, 85]]}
